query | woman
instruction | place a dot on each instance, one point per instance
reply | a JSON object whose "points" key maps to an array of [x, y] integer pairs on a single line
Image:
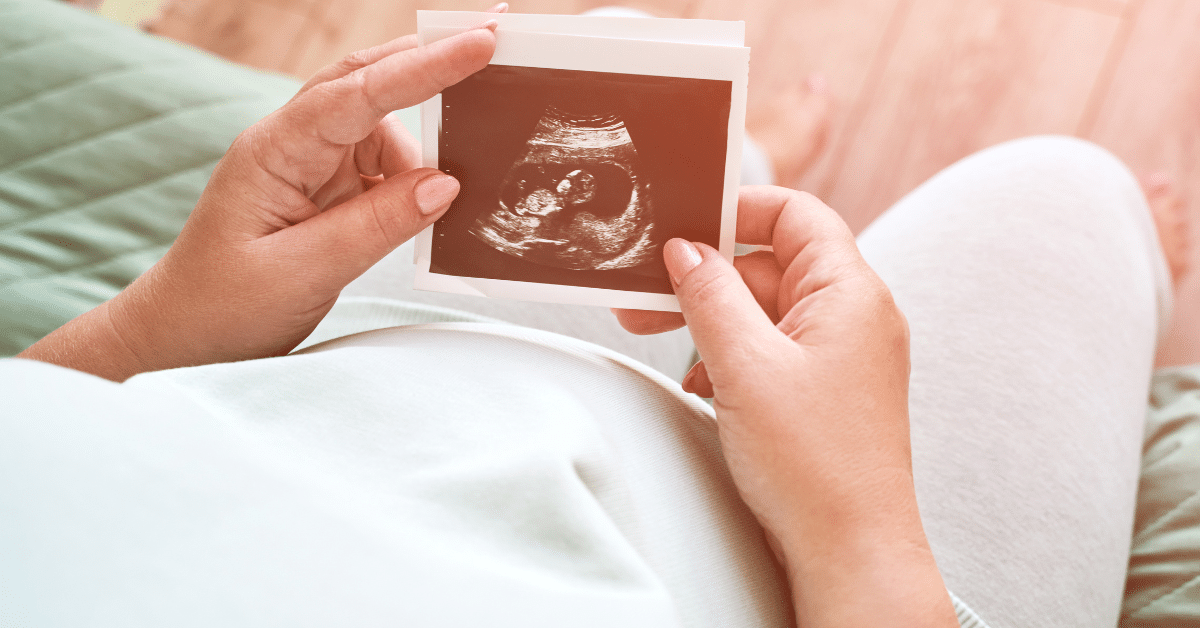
{"points": [[1030, 275]]}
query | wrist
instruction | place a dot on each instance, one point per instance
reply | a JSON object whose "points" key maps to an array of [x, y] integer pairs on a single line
{"points": [[868, 584], [865, 560], [89, 343]]}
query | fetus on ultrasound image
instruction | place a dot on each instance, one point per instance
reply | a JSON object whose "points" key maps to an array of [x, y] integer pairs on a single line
{"points": [[578, 178], [573, 199]]}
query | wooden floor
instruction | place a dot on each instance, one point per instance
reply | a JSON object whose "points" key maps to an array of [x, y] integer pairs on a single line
{"points": [[917, 84]]}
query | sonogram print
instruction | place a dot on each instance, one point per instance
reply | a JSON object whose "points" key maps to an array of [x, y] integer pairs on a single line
{"points": [[573, 199], [578, 178]]}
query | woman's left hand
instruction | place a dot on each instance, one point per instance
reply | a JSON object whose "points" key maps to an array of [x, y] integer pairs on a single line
{"points": [[305, 201]]}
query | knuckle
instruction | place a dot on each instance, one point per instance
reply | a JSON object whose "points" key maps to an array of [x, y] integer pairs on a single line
{"points": [[799, 203], [355, 61], [706, 284], [251, 136], [886, 314], [806, 198], [359, 84], [254, 143], [388, 222], [435, 70]]}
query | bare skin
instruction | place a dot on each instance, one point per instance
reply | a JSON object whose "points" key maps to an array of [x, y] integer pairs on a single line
{"points": [[1174, 218], [1171, 218]]}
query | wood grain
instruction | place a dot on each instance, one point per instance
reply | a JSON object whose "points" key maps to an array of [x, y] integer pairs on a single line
{"points": [[1150, 116], [255, 33], [966, 74], [345, 26], [1115, 8], [845, 40]]}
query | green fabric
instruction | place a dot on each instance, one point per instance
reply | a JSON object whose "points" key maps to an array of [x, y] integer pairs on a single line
{"points": [[107, 137], [1163, 587]]}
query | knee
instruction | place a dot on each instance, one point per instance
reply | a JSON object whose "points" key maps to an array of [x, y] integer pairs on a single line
{"points": [[1058, 162], [1038, 178], [1053, 149]]}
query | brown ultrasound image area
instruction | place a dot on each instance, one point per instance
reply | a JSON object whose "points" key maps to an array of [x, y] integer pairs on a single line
{"points": [[578, 178], [573, 199]]}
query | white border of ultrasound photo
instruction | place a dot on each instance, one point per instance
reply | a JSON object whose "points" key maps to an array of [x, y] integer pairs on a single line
{"points": [[596, 54]]}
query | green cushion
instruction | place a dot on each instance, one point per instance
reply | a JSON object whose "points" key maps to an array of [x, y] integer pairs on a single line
{"points": [[1163, 587], [107, 137]]}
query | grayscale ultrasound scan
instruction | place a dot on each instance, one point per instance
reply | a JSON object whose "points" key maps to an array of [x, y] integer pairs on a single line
{"points": [[573, 198], [578, 178]]}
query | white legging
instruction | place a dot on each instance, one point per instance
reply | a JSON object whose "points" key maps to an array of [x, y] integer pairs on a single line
{"points": [[1036, 290]]}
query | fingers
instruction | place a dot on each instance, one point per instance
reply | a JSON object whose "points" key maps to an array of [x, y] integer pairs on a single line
{"points": [[788, 221], [362, 58], [301, 142], [812, 244], [761, 274], [647, 322], [398, 81], [696, 381], [341, 243], [358, 60], [724, 317], [388, 150]]}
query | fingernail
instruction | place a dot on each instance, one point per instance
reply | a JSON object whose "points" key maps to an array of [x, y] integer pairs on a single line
{"points": [[686, 384], [499, 8], [435, 192], [681, 257], [490, 25], [817, 83]]}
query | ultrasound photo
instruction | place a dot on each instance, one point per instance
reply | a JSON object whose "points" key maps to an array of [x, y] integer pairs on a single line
{"points": [[578, 178]]}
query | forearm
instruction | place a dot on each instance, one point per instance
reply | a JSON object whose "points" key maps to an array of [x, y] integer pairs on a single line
{"points": [[90, 343], [866, 562]]}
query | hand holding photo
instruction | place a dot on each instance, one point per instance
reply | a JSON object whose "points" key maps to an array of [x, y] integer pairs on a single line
{"points": [[579, 156]]}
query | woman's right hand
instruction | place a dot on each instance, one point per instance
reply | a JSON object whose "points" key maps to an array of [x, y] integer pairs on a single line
{"points": [[805, 355]]}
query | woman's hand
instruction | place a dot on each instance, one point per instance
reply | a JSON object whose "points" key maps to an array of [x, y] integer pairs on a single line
{"points": [[305, 201], [805, 355]]}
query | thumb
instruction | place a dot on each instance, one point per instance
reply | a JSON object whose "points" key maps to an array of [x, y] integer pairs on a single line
{"points": [[346, 240], [725, 320]]}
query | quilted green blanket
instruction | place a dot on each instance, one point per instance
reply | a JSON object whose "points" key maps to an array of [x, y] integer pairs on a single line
{"points": [[107, 137]]}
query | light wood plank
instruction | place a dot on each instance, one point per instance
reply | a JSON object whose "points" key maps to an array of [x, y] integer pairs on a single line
{"points": [[1115, 8], [349, 25], [1151, 114], [253, 33], [967, 74], [790, 39]]}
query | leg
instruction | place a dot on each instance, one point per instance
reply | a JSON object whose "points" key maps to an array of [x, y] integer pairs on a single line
{"points": [[1036, 290]]}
